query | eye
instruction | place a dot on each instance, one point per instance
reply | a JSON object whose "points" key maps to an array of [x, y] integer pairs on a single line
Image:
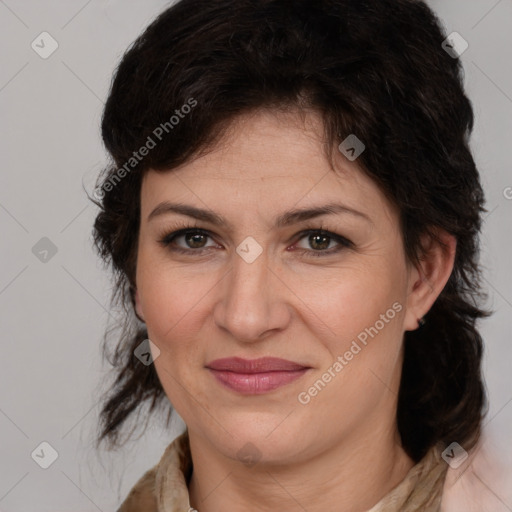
{"points": [[194, 240], [320, 241]]}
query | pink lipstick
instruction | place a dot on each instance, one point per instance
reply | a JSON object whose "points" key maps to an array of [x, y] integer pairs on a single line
{"points": [[256, 376]]}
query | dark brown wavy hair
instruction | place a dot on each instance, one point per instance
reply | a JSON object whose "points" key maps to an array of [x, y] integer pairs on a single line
{"points": [[375, 68]]}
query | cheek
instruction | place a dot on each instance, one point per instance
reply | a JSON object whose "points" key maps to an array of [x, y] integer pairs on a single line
{"points": [[175, 310], [171, 296], [345, 301]]}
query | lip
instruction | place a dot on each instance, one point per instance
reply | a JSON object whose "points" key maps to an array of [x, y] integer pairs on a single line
{"points": [[256, 376]]}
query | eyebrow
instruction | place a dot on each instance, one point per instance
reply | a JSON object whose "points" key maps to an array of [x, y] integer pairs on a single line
{"points": [[287, 219]]}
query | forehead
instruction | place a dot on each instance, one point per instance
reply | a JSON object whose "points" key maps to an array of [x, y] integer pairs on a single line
{"points": [[266, 161]]}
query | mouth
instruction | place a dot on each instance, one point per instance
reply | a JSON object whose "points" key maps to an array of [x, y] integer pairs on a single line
{"points": [[257, 376]]}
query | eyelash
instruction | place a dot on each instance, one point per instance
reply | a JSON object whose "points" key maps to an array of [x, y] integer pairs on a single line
{"points": [[167, 238]]}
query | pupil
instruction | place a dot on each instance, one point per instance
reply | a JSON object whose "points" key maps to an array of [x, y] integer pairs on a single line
{"points": [[195, 237], [322, 246]]}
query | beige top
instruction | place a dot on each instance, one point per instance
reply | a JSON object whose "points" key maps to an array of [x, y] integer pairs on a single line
{"points": [[164, 488]]}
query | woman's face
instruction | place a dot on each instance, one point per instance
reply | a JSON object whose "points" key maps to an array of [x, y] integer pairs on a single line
{"points": [[257, 280]]}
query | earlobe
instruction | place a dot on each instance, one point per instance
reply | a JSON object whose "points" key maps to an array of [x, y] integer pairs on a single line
{"points": [[429, 276]]}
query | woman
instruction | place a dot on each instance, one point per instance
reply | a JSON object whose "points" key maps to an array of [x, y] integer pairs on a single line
{"points": [[292, 214]]}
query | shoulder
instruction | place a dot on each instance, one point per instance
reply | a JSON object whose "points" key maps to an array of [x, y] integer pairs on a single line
{"points": [[482, 482], [166, 483], [142, 497]]}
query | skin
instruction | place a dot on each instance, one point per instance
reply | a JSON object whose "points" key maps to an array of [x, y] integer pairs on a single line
{"points": [[341, 451]]}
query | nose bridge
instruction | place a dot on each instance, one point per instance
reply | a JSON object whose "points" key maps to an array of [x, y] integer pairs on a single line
{"points": [[249, 276], [246, 309]]}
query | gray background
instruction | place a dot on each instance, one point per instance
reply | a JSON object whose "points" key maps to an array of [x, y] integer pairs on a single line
{"points": [[54, 313]]}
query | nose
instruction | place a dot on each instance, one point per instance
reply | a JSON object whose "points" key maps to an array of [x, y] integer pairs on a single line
{"points": [[253, 300]]}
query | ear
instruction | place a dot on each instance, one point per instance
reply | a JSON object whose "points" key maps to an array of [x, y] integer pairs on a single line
{"points": [[428, 278], [138, 307]]}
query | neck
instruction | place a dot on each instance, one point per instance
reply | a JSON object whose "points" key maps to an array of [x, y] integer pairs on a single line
{"points": [[352, 476]]}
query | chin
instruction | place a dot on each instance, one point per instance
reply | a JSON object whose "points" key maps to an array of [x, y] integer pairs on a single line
{"points": [[264, 438]]}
